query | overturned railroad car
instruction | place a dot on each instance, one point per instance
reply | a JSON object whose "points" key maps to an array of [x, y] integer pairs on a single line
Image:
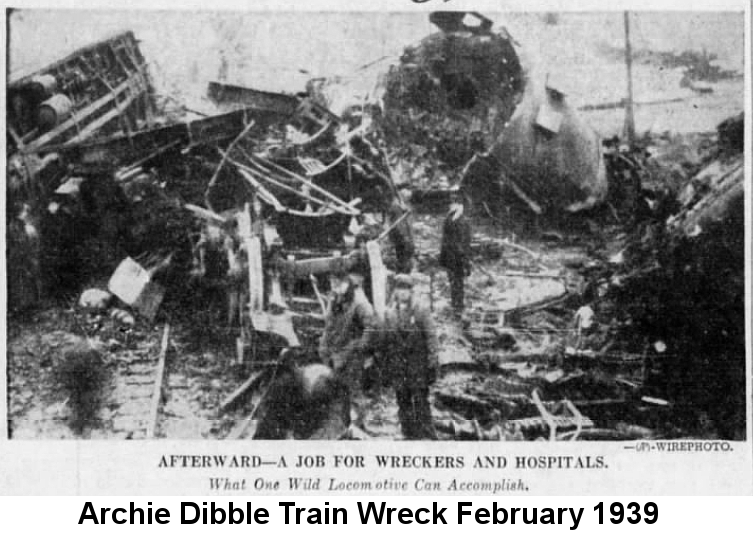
{"points": [[99, 89], [96, 91]]}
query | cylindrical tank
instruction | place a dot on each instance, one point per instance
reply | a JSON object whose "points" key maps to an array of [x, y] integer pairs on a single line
{"points": [[550, 153], [43, 86], [54, 110]]}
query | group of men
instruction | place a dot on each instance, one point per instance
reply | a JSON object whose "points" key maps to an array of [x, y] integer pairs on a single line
{"points": [[321, 399], [403, 346]]}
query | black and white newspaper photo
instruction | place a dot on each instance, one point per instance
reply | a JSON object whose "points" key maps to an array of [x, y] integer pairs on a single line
{"points": [[413, 247]]}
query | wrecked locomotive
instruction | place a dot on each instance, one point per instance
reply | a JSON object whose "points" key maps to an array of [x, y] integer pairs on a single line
{"points": [[463, 106]]}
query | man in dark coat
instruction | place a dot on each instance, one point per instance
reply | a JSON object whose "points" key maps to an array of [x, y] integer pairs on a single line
{"points": [[349, 331], [401, 237], [410, 347], [455, 255]]}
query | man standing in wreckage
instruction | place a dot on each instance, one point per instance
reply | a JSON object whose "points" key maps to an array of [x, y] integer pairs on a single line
{"points": [[455, 254], [349, 330], [401, 236], [410, 347]]}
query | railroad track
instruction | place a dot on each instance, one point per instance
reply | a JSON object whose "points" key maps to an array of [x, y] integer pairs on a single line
{"points": [[137, 392]]}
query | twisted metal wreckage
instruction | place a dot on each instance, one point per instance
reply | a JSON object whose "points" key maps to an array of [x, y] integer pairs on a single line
{"points": [[275, 192]]}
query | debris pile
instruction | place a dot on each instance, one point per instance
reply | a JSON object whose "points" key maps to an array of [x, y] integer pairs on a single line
{"points": [[683, 284], [227, 230], [644, 343]]}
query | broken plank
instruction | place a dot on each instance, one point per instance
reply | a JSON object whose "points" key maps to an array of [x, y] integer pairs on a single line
{"points": [[263, 192], [533, 274], [157, 394], [378, 278], [533, 205], [243, 169], [154, 154], [92, 127], [460, 401], [253, 248], [394, 224], [205, 214], [267, 164], [240, 430], [225, 155], [319, 296], [278, 103], [240, 393]]}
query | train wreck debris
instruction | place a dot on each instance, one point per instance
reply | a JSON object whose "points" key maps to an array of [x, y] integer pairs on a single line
{"points": [[95, 91], [461, 107], [293, 246], [81, 95], [699, 257]]}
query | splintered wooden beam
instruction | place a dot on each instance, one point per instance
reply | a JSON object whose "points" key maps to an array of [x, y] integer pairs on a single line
{"points": [[205, 214], [263, 192], [378, 278], [394, 224], [249, 422], [269, 165], [216, 175], [241, 392], [262, 176], [106, 118], [153, 154], [240, 430], [157, 395], [387, 178], [533, 205], [319, 296]]}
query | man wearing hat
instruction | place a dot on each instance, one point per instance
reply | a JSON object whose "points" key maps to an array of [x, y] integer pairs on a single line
{"points": [[455, 254], [349, 330], [410, 347]]}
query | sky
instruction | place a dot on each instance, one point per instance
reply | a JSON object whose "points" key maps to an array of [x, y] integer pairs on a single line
{"points": [[279, 51]]}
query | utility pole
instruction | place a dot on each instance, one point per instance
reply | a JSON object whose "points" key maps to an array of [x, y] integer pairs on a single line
{"points": [[629, 116], [8, 15]]}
